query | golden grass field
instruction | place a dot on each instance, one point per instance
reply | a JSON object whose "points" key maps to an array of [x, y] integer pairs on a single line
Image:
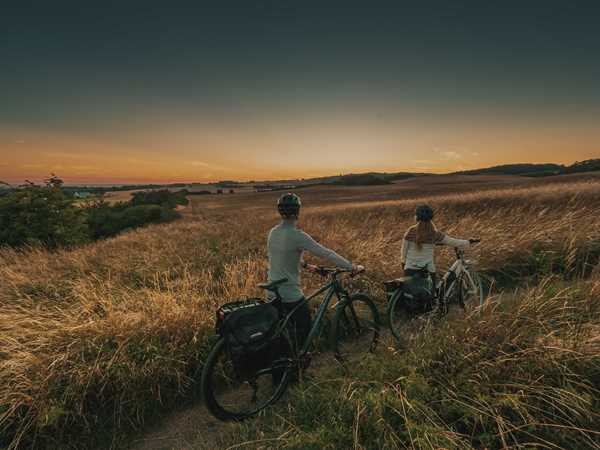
{"points": [[96, 340]]}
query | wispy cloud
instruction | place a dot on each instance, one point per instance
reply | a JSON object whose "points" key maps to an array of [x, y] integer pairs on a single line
{"points": [[198, 164], [452, 155], [20, 141]]}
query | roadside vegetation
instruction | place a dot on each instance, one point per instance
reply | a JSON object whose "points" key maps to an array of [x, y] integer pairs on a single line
{"points": [[95, 340], [50, 215]]}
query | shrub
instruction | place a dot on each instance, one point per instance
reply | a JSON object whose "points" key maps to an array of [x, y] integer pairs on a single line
{"points": [[162, 197], [105, 220], [41, 215]]}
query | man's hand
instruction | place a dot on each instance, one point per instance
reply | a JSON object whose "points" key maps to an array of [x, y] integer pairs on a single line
{"points": [[311, 268], [356, 269], [474, 241]]}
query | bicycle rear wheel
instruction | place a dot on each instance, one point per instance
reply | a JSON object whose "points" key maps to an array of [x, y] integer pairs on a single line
{"points": [[355, 326], [229, 397], [397, 316]]}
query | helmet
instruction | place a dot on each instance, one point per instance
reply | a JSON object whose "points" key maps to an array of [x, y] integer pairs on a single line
{"points": [[424, 213], [289, 205]]}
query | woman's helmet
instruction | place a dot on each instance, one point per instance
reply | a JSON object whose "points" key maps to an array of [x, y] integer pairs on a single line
{"points": [[289, 205], [424, 213]]}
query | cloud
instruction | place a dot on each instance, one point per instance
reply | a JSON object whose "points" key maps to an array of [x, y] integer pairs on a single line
{"points": [[452, 155], [20, 141], [198, 164]]}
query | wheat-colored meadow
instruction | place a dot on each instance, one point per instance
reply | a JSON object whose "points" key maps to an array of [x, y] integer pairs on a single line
{"points": [[95, 340]]}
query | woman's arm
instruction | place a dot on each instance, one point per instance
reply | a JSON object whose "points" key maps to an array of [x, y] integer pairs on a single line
{"points": [[453, 242]]}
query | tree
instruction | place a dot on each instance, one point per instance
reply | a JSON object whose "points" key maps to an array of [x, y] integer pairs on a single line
{"points": [[43, 215]]}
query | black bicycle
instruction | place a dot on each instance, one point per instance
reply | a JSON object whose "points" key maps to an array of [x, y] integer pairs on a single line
{"points": [[230, 395], [407, 299]]}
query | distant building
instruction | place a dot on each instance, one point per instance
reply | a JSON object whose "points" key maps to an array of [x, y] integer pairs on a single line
{"points": [[82, 194]]}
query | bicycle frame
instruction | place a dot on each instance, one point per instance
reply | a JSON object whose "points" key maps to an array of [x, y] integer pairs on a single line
{"points": [[333, 288], [458, 268]]}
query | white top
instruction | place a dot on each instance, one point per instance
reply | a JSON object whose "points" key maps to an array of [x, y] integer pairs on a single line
{"points": [[415, 257], [285, 244]]}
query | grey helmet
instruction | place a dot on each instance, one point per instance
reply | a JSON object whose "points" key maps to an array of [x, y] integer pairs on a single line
{"points": [[424, 213], [289, 205]]}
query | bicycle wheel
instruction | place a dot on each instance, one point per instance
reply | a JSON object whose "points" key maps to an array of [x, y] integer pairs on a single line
{"points": [[397, 315], [355, 326], [471, 290], [228, 397]]}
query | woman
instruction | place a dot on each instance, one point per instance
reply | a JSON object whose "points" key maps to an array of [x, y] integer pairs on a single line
{"points": [[419, 242]]}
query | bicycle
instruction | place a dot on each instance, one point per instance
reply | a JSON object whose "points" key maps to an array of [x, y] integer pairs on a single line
{"points": [[356, 322], [460, 285]]}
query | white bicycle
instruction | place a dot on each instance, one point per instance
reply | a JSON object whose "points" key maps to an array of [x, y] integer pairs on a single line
{"points": [[460, 285]]}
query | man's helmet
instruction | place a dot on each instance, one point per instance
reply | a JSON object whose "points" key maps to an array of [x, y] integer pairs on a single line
{"points": [[289, 205], [424, 213]]}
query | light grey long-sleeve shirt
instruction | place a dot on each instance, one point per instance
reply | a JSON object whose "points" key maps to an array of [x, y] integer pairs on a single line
{"points": [[285, 244], [417, 257]]}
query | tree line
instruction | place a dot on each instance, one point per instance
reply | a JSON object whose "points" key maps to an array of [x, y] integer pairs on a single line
{"points": [[51, 216]]}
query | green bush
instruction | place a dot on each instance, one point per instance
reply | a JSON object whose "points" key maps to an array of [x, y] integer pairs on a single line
{"points": [[41, 215], [162, 197], [105, 220]]}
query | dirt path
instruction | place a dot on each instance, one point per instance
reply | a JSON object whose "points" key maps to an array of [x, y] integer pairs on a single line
{"points": [[191, 428], [195, 428]]}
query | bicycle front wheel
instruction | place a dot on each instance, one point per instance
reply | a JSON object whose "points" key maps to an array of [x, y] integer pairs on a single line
{"points": [[229, 396], [355, 327], [471, 289]]}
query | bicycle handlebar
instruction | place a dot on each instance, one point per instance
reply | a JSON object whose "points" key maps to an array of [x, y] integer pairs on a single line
{"points": [[333, 271]]}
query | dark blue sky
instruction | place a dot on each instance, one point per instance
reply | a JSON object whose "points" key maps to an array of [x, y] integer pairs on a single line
{"points": [[105, 69]]}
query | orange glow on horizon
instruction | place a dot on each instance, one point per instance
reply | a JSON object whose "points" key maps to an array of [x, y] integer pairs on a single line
{"points": [[302, 151]]}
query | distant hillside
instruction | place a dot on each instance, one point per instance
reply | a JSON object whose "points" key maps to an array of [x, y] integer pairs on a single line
{"points": [[535, 170], [588, 165], [373, 178], [517, 169], [363, 179]]}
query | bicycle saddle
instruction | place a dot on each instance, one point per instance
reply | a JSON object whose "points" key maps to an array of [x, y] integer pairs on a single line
{"points": [[397, 282], [272, 286]]}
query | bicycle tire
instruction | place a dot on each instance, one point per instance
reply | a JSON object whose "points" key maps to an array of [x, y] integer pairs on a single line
{"points": [[209, 387], [478, 296], [356, 318], [396, 315]]}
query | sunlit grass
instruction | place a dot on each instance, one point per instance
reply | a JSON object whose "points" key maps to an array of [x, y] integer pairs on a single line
{"points": [[101, 337]]}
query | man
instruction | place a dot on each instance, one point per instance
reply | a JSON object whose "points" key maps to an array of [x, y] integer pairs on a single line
{"points": [[286, 244]]}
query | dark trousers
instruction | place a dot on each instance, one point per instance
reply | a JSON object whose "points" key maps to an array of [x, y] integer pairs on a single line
{"points": [[299, 326], [299, 322]]}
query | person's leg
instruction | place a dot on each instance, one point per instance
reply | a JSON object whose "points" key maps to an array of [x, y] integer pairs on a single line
{"points": [[299, 326], [299, 322]]}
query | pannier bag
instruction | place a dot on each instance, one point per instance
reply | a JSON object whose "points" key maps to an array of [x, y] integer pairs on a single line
{"points": [[248, 328], [418, 293]]}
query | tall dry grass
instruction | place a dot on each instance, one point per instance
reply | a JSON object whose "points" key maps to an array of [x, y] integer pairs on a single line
{"points": [[523, 374], [96, 340]]}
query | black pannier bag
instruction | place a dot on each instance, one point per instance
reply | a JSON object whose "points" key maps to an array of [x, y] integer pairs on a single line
{"points": [[248, 328], [417, 292]]}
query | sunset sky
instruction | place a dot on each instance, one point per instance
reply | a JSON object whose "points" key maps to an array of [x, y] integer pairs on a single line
{"points": [[200, 91]]}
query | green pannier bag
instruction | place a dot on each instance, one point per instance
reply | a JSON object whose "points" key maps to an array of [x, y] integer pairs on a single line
{"points": [[418, 292]]}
